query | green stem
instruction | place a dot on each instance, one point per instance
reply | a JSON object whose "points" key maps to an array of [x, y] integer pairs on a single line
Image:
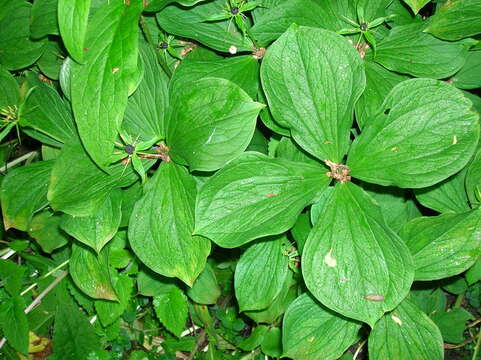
{"points": [[459, 301], [476, 348]]}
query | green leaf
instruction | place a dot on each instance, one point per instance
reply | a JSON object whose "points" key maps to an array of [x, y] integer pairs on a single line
{"points": [[279, 305], [73, 169], [160, 230], [9, 92], [90, 272], [406, 333], [150, 283], [100, 87], [72, 21], [255, 338], [396, 205], [416, 140], [353, 263], [301, 229], [456, 19], [14, 323], [238, 204], [109, 311], [171, 309], [302, 91], [211, 121], [444, 245], [408, 50], [44, 19], [73, 336], [312, 332], [18, 51], [447, 196], [241, 70], [473, 179], [379, 82], [469, 77], [205, 290], [45, 229], [24, 192], [11, 276], [272, 343], [452, 324], [288, 149], [44, 110], [273, 22], [474, 273], [416, 5], [157, 5], [267, 118], [51, 60], [428, 300], [97, 230], [145, 113], [261, 273], [190, 23]]}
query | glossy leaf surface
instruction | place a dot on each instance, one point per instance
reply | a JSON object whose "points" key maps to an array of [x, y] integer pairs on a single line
{"points": [[72, 21], [416, 141], [255, 196], [211, 122], [352, 262], [161, 226], [303, 74]]}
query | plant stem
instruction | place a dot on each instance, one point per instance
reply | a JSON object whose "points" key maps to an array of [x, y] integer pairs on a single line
{"points": [[200, 340], [18, 160], [358, 350], [459, 301], [476, 348], [44, 276]]}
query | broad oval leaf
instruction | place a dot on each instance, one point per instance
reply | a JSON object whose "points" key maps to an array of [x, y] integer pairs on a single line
{"points": [[109, 311], [447, 196], [100, 87], [456, 19], [45, 229], [444, 245], [90, 272], [310, 331], [255, 196], [211, 121], [73, 17], [23, 192], [160, 230], [97, 230], [260, 273], [9, 91], [303, 75], [45, 111], [14, 323], [156, 5], [352, 262], [78, 186], [408, 50], [416, 140], [18, 51], [206, 289], [191, 23], [406, 333]]}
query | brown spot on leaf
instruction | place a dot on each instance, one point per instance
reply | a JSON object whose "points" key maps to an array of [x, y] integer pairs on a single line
{"points": [[271, 195], [374, 297]]}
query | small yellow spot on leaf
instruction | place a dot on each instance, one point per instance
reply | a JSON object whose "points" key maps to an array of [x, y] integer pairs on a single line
{"points": [[329, 260], [311, 339], [396, 319], [233, 49], [455, 140], [115, 69], [395, 148], [327, 142]]}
